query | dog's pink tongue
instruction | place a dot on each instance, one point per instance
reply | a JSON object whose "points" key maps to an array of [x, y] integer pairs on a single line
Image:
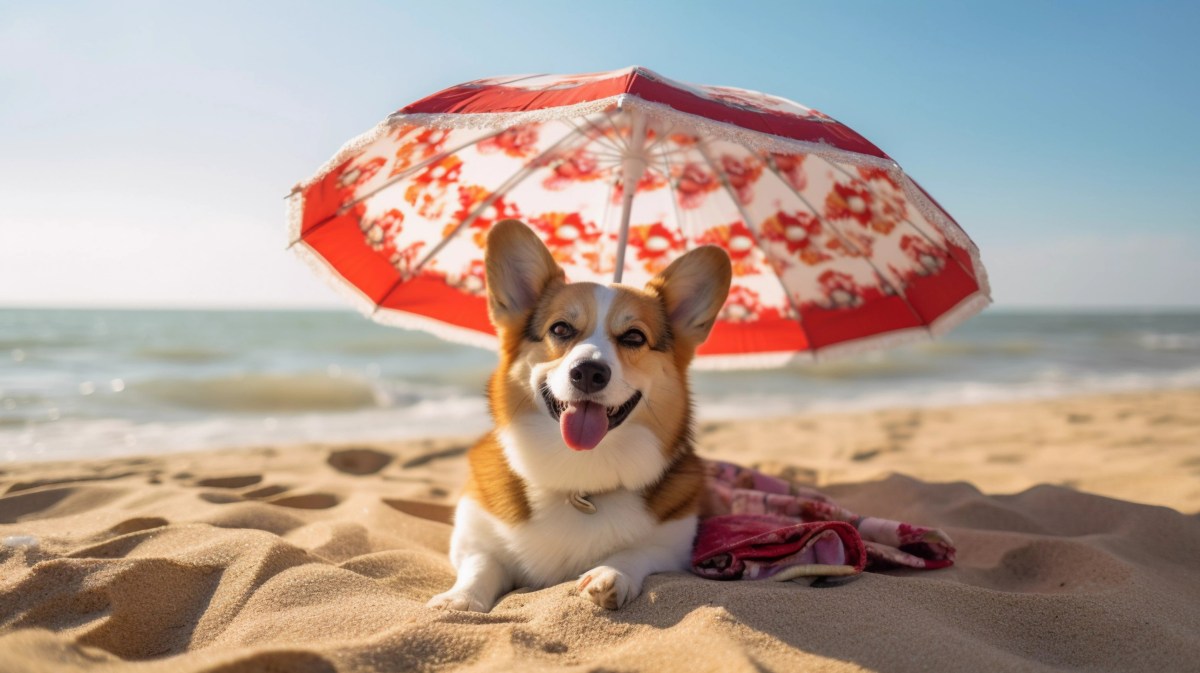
{"points": [[583, 425]]}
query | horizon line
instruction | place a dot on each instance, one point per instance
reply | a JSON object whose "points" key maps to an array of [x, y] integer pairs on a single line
{"points": [[993, 308]]}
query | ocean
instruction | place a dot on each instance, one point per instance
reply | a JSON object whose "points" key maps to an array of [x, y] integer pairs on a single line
{"points": [[96, 383]]}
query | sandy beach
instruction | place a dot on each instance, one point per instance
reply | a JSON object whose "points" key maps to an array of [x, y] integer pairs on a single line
{"points": [[1075, 520]]}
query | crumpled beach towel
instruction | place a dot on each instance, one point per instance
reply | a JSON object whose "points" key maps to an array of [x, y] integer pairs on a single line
{"points": [[763, 527]]}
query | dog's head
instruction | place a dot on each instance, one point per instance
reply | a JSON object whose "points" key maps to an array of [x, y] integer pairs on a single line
{"points": [[593, 362]]}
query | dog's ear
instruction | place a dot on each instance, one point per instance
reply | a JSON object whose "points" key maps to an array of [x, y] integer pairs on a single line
{"points": [[693, 289], [519, 268]]}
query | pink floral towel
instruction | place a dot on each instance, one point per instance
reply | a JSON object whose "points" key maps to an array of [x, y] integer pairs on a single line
{"points": [[763, 527]]}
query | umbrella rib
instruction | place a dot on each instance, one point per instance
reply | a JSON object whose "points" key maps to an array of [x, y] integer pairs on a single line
{"points": [[910, 223], [514, 180], [666, 159], [605, 154], [600, 137], [608, 202], [752, 228], [393, 180], [608, 199], [659, 140], [849, 244], [677, 150], [616, 131]]}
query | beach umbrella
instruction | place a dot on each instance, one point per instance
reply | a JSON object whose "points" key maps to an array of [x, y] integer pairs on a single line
{"points": [[834, 248]]}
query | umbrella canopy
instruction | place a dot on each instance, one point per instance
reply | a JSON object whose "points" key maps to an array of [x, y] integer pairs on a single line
{"points": [[834, 248]]}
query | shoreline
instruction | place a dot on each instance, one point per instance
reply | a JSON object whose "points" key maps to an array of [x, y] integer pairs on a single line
{"points": [[1124, 445], [116, 437]]}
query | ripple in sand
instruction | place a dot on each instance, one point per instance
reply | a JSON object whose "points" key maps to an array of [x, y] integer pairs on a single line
{"points": [[266, 492], [359, 461], [452, 452], [987, 514], [54, 502], [1053, 566], [220, 498], [38, 483], [423, 510], [137, 524], [240, 481], [308, 501], [286, 660], [133, 608]]}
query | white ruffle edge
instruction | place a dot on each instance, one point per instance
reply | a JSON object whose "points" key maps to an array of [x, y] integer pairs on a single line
{"points": [[351, 148], [950, 229]]}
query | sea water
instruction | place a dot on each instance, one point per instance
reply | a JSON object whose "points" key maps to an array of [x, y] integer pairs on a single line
{"points": [[77, 383]]}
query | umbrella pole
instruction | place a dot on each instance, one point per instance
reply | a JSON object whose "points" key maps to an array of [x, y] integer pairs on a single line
{"points": [[633, 166]]}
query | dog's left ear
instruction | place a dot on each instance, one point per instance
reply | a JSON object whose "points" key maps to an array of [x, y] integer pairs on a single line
{"points": [[519, 268], [693, 289]]}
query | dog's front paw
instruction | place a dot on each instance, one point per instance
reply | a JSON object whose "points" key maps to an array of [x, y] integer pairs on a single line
{"points": [[457, 600], [607, 587]]}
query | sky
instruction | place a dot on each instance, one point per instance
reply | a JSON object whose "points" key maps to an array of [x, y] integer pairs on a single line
{"points": [[145, 148]]}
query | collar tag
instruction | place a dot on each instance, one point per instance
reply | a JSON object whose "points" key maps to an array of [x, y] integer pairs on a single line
{"points": [[580, 502]]}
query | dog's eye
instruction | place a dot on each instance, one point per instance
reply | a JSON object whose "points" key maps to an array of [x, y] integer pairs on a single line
{"points": [[562, 330], [633, 339]]}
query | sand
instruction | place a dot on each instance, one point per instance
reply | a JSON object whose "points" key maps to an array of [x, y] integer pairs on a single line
{"points": [[1079, 547]]}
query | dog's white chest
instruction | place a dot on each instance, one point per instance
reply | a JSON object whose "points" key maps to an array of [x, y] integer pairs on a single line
{"points": [[560, 542]]}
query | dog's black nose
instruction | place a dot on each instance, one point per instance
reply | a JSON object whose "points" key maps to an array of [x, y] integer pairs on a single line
{"points": [[590, 376]]}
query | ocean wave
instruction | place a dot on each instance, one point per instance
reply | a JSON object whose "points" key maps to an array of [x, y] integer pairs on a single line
{"points": [[1155, 341], [183, 354], [1015, 348], [1048, 383], [870, 365], [394, 341], [384, 346], [464, 416], [266, 393], [51, 341]]}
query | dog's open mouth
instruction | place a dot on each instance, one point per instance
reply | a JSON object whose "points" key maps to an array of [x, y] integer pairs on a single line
{"points": [[583, 424]]}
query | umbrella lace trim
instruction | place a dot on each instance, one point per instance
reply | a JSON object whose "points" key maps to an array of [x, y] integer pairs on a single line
{"points": [[756, 140]]}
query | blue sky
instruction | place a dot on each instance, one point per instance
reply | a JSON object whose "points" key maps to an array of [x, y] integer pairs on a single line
{"points": [[145, 147]]}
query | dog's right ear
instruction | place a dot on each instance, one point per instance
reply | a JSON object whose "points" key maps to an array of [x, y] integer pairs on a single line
{"points": [[519, 268], [693, 289]]}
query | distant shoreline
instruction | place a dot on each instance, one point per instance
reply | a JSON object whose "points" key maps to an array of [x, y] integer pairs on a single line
{"points": [[1062, 439], [994, 308]]}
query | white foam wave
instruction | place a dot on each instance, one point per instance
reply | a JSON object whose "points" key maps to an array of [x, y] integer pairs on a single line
{"points": [[100, 438], [466, 415], [1155, 341], [266, 393]]}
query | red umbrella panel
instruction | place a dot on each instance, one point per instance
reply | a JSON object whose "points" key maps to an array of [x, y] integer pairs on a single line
{"points": [[834, 249]]}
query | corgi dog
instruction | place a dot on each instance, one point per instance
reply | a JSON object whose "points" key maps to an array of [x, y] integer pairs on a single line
{"points": [[590, 471]]}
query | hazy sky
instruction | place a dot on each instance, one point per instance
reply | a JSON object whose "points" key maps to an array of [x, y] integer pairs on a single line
{"points": [[145, 148]]}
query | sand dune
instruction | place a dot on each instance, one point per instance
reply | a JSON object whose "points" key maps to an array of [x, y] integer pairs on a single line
{"points": [[316, 558]]}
